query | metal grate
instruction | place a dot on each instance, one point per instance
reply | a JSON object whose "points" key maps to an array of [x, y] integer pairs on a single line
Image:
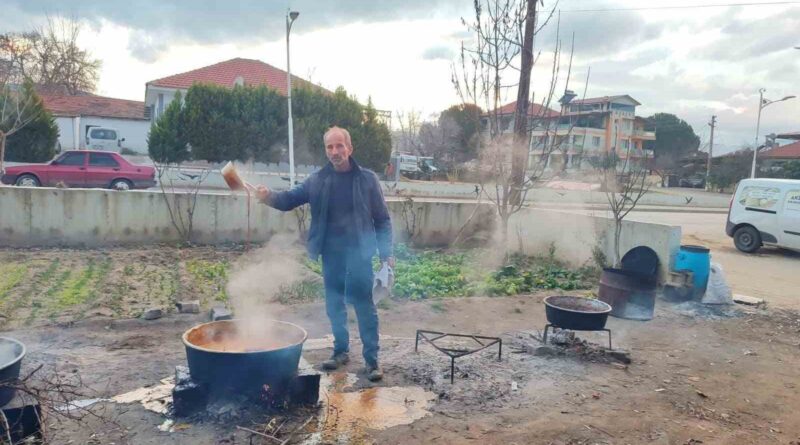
{"points": [[454, 353]]}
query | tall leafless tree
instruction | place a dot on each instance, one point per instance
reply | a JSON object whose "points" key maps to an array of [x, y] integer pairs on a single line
{"points": [[407, 137], [504, 35], [50, 57]]}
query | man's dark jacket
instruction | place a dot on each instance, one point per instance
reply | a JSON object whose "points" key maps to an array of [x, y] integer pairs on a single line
{"points": [[371, 221]]}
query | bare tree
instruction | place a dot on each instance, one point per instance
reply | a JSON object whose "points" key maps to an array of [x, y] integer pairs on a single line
{"points": [[625, 183], [181, 205], [505, 32], [407, 137], [50, 57]]}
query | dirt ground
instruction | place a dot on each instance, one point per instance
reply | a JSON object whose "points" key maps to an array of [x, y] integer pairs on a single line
{"points": [[697, 376]]}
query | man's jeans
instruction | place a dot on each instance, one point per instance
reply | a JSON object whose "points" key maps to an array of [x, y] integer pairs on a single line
{"points": [[348, 277]]}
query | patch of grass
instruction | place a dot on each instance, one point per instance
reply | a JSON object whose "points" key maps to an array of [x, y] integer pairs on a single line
{"points": [[510, 280], [51, 291], [36, 282], [10, 276], [76, 289], [97, 280], [384, 304], [517, 310], [211, 275], [447, 274], [431, 274], [303, 291]]}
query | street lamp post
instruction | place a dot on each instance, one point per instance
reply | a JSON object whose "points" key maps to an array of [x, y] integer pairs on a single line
{"points": [[291, 16], [762, 103]]}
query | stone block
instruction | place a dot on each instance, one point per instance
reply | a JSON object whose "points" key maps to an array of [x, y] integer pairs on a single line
{"points": [[152, 314], [221, 313], [188, 307]]}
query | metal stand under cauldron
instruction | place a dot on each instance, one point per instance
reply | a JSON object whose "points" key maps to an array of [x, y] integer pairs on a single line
{"points": [[576, 314]]}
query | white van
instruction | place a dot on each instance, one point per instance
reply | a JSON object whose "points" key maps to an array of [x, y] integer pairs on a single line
{"points": [[103, 138], [765, 211]]}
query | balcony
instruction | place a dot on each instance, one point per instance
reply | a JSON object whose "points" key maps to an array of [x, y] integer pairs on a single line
{"points": [[641, 134]]}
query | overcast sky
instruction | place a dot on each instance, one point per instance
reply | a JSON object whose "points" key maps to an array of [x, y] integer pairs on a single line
{"points": [[693, 62]]}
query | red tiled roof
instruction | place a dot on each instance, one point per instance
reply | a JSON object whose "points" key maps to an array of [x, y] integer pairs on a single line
{"points": [[789, 151], [252, 72], [533, 110], [90, 105]]}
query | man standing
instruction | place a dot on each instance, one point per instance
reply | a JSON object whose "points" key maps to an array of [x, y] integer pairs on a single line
{"points": [[349, 223]]}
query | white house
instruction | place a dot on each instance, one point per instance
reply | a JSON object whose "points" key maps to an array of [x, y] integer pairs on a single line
{"points": [[74, 116], [160, 92]]}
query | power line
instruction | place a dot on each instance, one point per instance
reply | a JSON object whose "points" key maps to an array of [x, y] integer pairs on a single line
{"points": [[652, 8]]}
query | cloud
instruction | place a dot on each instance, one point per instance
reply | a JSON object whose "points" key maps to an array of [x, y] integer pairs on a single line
{"points": [[145, 47], [599, 34], [210, 21], [743, 38], [438, 52]]}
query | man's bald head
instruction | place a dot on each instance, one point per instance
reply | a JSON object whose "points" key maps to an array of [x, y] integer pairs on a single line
{"points": [[338, 147], [339, 130]]}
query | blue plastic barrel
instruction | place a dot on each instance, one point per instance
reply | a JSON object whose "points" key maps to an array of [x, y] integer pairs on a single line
{"points": [[698, 260]]}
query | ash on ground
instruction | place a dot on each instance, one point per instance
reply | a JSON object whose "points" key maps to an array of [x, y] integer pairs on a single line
{"points": [[482, 381], [696, 309]]}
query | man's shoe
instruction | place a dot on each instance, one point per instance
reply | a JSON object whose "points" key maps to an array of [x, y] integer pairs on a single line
{"points": [[374, 373], [335, 361]]}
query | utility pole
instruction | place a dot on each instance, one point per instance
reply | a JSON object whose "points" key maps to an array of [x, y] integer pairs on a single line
{"points": [[712, 124]]}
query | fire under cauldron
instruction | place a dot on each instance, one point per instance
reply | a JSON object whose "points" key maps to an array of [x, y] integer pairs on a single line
{"points": [[226, 356]]}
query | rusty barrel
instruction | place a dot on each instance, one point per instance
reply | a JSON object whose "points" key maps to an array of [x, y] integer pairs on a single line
{"points": [[630, 294]]}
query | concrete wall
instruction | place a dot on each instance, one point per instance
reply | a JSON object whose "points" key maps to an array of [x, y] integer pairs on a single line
{"points": [[91, 217], [574, 237]]}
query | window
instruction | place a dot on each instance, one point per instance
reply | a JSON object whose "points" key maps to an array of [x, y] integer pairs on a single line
{"points": [[103, 134], [160, 106], [102, 160], [625, 144], [759, 197], [596, 141], [72, 159]]}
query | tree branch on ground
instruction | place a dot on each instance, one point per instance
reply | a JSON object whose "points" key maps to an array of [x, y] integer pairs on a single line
{"points": [[58, 396]]}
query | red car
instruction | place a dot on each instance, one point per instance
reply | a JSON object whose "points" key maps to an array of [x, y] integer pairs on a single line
{"points": [[83, 168]]}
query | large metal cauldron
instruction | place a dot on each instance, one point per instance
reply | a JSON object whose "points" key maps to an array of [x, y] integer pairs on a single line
{"points": [[576, 313], [630, 294], [220, 356], [11, 353]]}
